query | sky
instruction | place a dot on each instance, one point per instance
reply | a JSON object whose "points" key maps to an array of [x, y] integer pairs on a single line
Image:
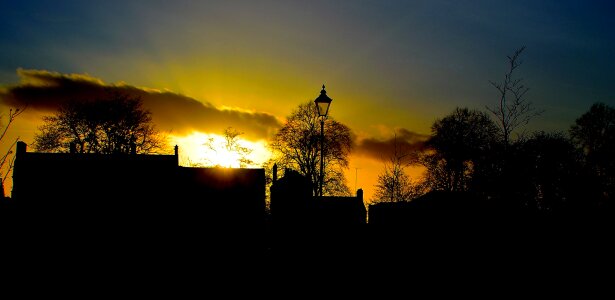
{"points": [[390, 66]]}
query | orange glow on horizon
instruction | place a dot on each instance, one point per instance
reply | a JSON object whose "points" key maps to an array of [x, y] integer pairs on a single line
{"points": [[194, 152]]}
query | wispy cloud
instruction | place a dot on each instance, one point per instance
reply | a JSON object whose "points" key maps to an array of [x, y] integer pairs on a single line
{"points": [[46, 91]]}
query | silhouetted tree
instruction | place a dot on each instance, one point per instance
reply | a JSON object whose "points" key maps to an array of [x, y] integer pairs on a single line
{"points": [[112, 125], [297, 146], [458, 144], [547, 173], [8, 158], [594, 134], [394, 184], [233, 145], [513, 110]]}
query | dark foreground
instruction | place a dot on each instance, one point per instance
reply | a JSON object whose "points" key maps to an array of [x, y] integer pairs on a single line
{"points": [[148, 242]]}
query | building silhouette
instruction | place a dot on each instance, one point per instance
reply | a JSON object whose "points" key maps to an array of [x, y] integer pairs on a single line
{"points": [[303, 224], [135, 201]]}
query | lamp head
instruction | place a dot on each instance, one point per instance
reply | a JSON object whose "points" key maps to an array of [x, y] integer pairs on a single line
{"points": [[322, 103]]}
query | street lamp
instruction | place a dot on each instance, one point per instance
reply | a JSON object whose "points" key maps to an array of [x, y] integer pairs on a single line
{"points": [[322, 104]]}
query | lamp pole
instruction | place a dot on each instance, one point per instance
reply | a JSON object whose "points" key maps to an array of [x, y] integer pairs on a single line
{"points": [[322, 105], [322, 152]]}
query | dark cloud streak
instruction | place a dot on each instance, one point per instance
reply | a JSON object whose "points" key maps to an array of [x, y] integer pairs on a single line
{"points": [[407, 142], [46, 91]]}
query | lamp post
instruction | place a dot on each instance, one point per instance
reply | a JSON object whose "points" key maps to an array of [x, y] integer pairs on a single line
{"points": [[322, 104]]}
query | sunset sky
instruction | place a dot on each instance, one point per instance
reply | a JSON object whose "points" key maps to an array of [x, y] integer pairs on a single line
{"points": [[202, 66]]}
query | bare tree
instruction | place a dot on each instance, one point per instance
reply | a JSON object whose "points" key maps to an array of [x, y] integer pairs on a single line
{"points": [[297, 146], [513, 109], [394, 184], [7, 160], [232, 144]]}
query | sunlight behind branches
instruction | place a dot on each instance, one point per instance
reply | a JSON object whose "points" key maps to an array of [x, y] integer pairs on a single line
{"points": [[208, 150]]}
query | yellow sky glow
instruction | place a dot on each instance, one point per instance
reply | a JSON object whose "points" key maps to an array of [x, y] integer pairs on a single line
{"points": [[194, 151]]}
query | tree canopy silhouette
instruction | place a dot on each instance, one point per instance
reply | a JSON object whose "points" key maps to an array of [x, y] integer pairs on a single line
{"points": [[297, 145], [459, 142], [546, 172], [594, 134], [112, 125]]}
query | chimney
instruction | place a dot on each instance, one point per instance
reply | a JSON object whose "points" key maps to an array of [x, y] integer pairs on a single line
{"points": [[73, 148], [176, 155], [133, 148], [21, 147], [360, 194], [275, 172]]}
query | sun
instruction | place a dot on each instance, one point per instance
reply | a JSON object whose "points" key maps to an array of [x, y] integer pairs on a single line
{"points": [[200, 149], [223, 158]]}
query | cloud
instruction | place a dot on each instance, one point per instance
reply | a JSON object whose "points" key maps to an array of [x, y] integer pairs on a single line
{"points": [[46, 91], [407, 142]]}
